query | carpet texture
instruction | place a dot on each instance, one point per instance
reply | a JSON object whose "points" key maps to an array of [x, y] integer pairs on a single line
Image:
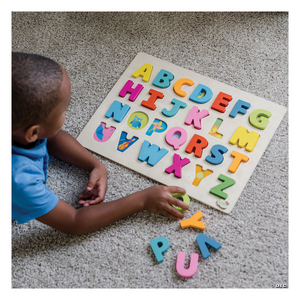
{"points": [[248, 51]]}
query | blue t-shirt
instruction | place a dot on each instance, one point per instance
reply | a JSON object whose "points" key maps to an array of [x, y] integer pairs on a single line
{"points": [[30, 197]]}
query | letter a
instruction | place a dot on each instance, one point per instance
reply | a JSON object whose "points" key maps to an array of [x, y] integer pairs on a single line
{"points": [[144, 71]]}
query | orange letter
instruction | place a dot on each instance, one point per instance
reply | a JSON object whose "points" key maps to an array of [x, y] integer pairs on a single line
{"points": [[238, 158], [150, 102], [179, 83], [193, 221], [196, 144], [221, 102]]}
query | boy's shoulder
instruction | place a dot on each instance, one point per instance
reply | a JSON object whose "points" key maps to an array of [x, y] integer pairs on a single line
{"points": [[35, 151], [30, 197], [29, 163]]}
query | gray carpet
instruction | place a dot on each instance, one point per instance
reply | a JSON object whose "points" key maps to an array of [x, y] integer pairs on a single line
{"points": [[246, 50]]}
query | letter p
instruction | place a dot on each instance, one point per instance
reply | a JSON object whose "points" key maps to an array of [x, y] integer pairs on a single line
{"points": [[159, 246]]}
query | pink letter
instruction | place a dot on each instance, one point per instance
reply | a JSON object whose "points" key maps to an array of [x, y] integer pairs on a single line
{"points": [[191, 271], [195, 117], [177, 165], [127, 88], [176, 141]]}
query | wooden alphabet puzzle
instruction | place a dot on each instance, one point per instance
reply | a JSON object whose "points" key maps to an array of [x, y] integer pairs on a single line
{"points": [[181, 128]]}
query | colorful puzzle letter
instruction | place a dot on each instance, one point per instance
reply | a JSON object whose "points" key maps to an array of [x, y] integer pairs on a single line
{"points": [[134, 92], [176, 137], [177, 105], [144, 71], [195, 116], [185, 198], [177, 165], [201, 94], [179, 83], [218, 189], [117, 111], [159, 246], [240, 107], [259, 118], [217, 152], [163, 79], [151, 153], [204, 240], [244, 139], [196, 145], [150, 102], [193, 221], [221, 102], [191, 271], [238, 158]]}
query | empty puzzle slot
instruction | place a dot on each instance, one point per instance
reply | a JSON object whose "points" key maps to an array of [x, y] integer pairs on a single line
{"points": [[214, 130], [125, 143], [200, 175], [102, 133]]}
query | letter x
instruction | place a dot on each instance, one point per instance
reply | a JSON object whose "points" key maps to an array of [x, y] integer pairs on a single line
{"points": [[177, 165]]}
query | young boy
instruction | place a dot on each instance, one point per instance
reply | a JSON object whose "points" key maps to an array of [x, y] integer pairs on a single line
{"points": [[40, 95]]}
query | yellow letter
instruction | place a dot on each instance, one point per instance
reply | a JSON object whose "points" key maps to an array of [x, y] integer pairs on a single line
{"points": [[244, 138], [144, 71]]}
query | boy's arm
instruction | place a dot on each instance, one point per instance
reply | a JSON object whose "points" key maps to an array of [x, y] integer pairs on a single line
{"points": [[67, 148], [64, 147], [157, 199]]}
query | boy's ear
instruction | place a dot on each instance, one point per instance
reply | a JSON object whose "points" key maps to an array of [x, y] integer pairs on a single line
{"points": [[32, 133]]}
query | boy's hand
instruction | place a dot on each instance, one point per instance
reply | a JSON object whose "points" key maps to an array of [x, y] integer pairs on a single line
{"points": [[96, 187], [159, 199]]}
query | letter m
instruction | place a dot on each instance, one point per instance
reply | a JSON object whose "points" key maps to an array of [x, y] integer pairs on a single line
{"points": [[244, 139]]}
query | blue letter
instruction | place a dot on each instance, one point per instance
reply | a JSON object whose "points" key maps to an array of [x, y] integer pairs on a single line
{"points": [[240, 107], [216, 157], [151, 153], [163, 79], [118, 111], [201, 94]]}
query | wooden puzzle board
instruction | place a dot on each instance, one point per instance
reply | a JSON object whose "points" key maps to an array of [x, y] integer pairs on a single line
{"points": [[104, 140]]}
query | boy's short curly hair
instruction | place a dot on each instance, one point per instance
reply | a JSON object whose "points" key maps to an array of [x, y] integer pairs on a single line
{"points": [[36, 82]]}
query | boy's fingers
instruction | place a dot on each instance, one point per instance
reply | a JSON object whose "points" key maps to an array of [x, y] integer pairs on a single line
{"points": [[84, 196], [92, 181], [179, 203], [173, 213], [84, 203], [101, 193], [177, 189], [95, 201]]}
